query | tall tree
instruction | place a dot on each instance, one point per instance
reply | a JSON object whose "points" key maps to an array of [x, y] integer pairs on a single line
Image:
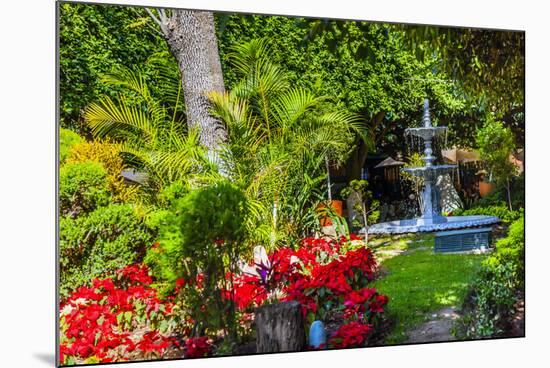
{"points": [[192, 40]]}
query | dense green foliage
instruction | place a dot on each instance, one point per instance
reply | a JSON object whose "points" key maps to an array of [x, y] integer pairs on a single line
{"points": [[491, 302], [94, 40], [101, 242], [488, 64], [386, 88], [204, 235], [82, 188], [67, 139], [500, 211]]}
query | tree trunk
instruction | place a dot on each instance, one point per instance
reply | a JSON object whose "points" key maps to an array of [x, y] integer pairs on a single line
{"points": [[359, 156], [279, 327], [509, 194], [356, 161], [365, 221], [191, 37]]}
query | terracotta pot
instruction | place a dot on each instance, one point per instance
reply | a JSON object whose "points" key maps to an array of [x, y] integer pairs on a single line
{"points": [[485, 188], [337, 206]]}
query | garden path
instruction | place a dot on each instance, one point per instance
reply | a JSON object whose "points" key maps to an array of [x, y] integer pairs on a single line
{"points": [[436, 329]]}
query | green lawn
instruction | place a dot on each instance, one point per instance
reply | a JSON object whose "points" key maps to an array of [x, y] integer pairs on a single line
{"points": [[419, 281]]}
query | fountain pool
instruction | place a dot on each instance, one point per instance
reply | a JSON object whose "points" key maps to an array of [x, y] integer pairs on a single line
{"points": [[431, 219]]}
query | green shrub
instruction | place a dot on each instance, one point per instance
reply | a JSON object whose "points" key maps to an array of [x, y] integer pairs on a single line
{"points": [[203, 234], [82, 188], [67, 139], [511, 250], [168, 195], [491, 301], [495, 142], [498, 197], [108, 153], [164, 221], [96, 244], [501, 211]]}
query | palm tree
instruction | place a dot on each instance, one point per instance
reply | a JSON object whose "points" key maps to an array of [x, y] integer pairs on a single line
{"points": [[279, 137], [153, 130]]}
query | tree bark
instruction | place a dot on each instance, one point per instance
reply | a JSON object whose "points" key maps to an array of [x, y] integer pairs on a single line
{"points": [[509, 194], [279, 327], [191, 37], [357, 159]]}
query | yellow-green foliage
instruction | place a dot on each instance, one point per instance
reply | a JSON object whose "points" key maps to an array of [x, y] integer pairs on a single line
{"points": [[108, 154], [67, 139]]}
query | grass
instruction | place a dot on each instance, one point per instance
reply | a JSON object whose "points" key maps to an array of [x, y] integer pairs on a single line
{"points": [[419, 281]]}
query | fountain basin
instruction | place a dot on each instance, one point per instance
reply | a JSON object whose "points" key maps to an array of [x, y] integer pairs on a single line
{"points": [[429, 172], [426, 132], [416, 226]]}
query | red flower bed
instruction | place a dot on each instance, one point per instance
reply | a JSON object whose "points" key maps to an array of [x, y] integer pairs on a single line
{"points": [[324, 276], [97, 322], [197, 347], [120, 318], [351, 334]]}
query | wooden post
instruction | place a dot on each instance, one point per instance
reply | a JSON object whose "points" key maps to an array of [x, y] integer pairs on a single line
{"points": [[279, 327]]}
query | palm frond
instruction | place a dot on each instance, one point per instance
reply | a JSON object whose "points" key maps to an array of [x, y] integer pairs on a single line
{"points": [[290, 106], [130, 79], [125, 121]]}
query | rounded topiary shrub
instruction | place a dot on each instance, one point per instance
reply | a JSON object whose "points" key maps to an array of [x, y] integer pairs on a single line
{"points": [[82, 188], [99, 243]]}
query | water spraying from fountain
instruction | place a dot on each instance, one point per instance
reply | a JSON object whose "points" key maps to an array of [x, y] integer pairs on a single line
{"points": [[431, 218]]}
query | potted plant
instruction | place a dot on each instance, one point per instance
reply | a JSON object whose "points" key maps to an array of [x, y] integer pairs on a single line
{"points": [[485, 186]]}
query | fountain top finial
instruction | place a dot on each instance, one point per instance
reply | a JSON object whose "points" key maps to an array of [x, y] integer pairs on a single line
{"points": [[426, 119]]}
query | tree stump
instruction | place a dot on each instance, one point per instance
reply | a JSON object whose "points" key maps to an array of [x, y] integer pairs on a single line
{"points": [[279, 327]]}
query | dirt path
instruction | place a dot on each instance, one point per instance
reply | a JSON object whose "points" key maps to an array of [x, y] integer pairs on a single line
{"points": [[438, 328]]}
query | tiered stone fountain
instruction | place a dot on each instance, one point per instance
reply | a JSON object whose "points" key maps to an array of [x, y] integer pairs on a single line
{"points": [[431, 218]]}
